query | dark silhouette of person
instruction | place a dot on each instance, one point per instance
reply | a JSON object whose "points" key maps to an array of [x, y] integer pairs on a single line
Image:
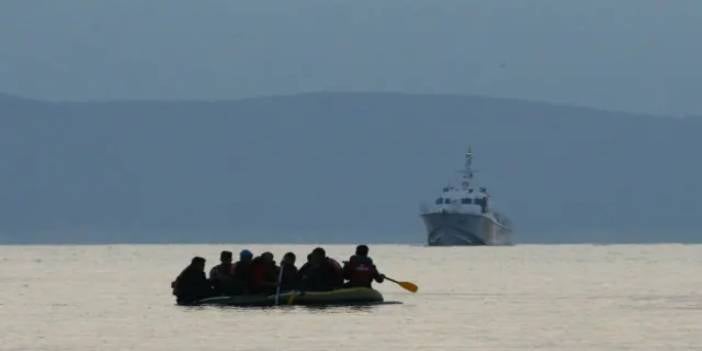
{"points": [[263, 277], [360, 271], [222, 275], [289, 278], [321, 273], [242, 272], [191, 284]]}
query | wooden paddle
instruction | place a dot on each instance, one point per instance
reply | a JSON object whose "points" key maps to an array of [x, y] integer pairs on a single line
{"points": [[409, 286]]}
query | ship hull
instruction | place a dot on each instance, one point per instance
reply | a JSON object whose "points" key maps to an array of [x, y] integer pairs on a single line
{"points": [[464, 229]]}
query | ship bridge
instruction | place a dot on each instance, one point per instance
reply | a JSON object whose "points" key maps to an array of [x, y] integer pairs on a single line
{"points": [[467, 197]]}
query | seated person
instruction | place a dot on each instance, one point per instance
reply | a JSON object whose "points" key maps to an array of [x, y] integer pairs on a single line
{"points": [[264, 275], [320, 273], [242, 272], [360, 270], [222, 275], [288, 280], [192, 285]]}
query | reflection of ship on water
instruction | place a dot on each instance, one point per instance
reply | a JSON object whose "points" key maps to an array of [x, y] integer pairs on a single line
{"points": [[462, 215]]}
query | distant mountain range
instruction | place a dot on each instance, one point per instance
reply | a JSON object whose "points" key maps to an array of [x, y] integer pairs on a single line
{"points": [[338, 167]]}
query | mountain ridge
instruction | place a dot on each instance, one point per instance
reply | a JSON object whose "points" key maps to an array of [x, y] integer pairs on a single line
{"points": [[341, 93], [338, 167]]}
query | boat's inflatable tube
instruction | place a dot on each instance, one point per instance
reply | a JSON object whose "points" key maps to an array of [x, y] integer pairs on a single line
{"points": [[348, 296]]}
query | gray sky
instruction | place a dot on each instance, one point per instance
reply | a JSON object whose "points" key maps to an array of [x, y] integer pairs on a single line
{"points": [[635, 55]]}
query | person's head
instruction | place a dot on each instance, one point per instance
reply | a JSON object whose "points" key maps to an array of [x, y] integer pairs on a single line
{"points": [[225, 257], [198, 263], [289, 258], [319, 252], [267, 257], [245, 255], [362, 250], [317, 256]]}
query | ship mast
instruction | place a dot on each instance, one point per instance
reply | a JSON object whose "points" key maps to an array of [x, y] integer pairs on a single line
{"points": [[468, 169]]}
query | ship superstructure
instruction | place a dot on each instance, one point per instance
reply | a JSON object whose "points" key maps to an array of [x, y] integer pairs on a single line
{"points": [[462, 214]]}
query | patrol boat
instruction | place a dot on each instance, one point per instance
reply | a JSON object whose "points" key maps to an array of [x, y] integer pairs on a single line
{"points": [[462, 215]]}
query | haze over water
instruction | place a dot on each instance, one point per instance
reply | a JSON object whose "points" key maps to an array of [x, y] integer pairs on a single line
{"points": [[574, 297]]}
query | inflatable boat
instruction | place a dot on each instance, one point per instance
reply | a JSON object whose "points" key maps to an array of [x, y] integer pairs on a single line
{"points": [[347, 296]]}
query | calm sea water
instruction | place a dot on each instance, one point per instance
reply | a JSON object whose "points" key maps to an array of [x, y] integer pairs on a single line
{"points": [[580, 297]]}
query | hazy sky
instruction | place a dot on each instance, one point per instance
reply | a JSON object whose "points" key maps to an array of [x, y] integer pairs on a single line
{"points": [[636, 55]]}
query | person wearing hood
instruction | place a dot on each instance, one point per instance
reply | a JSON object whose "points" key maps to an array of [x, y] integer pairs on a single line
{"points": [[191, 284], [242, 272]]}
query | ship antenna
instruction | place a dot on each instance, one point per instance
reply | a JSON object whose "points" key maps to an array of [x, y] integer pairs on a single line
{"points": [[468, 170]]}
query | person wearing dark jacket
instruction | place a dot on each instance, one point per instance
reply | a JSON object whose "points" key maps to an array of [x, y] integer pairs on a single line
{"points": [[242, 272], [288, 280], [360, 271], [222, 275], [192, 285], [264, 277], [321, 273]]}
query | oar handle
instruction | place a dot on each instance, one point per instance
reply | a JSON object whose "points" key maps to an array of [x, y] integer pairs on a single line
{"points": [[392, 280]]}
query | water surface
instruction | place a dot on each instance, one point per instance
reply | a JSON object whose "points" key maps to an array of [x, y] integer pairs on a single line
{"points": [[570, 297]]}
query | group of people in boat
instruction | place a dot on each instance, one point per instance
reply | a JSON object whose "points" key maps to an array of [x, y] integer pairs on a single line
{"points": [[260, 275]]}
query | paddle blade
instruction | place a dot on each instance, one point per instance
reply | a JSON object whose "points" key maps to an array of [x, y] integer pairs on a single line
{"points": [[409, 286]]}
